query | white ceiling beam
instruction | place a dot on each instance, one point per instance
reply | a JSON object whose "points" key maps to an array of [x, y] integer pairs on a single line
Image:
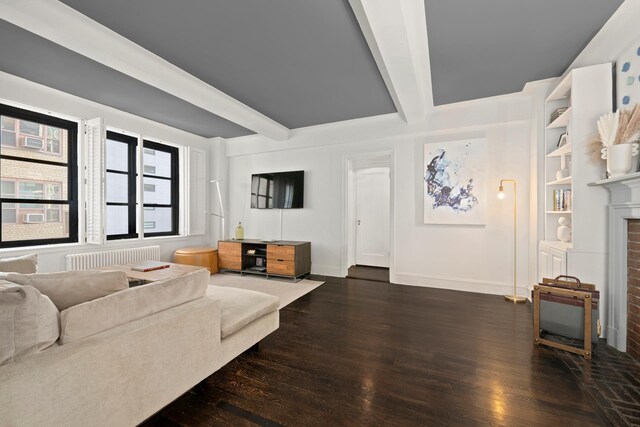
{"points": [[396, 32], [69, 28]]}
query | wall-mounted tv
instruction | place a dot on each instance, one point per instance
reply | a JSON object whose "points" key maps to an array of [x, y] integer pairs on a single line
{"points": [[278, 190]]}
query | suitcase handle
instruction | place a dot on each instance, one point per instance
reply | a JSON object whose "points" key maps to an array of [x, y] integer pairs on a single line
{"points": [[578, 282]]}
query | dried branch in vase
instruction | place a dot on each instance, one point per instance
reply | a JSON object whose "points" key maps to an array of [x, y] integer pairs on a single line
{"points": [[594, 150], [629, 133], [608, 128], [622, 126]]}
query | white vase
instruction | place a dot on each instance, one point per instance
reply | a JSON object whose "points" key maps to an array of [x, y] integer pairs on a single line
{"points": [[564, 231], [619, 158]]}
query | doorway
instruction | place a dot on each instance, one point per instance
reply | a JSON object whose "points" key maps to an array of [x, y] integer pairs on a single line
{"points": [[369, 212]]}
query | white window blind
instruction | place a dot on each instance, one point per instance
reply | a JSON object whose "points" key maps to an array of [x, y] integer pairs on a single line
{"points": [[196, 189], [95, 181]]}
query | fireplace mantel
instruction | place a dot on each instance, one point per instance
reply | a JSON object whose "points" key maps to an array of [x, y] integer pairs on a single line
{"points": [[624, 204]]}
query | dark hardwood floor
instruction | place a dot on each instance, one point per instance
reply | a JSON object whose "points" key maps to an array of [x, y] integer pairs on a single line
{"points": [[365, 272], [356, 352]]}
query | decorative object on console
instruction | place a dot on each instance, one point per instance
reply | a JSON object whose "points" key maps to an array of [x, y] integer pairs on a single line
{"points": [[512, 298], [454, 182], [564, 229], [239, 232]]}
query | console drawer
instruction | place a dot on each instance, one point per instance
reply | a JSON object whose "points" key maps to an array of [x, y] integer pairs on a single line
{"points": [[282, 267], [229, 264], [287, 253]]}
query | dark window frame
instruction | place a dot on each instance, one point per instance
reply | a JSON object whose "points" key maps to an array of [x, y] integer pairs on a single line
{"points": [[175, 187], [131, 173], [72, 176]]}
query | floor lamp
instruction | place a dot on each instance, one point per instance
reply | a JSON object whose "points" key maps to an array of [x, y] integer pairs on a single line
{"points": [[512, 298], [221, 215]]}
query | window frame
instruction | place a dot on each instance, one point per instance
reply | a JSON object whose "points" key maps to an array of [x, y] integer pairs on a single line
{"points": [[175, 187], [132, 184], [72, 176]]}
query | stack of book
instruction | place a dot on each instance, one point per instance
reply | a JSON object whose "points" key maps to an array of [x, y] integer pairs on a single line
{"points": [[562, 200], [558, 113]]}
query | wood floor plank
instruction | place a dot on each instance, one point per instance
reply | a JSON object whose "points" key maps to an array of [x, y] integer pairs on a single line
{"points": [[356, 352]]}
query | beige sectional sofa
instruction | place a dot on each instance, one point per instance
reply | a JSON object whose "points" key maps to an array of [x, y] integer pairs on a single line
{"points": [[126, 373]]}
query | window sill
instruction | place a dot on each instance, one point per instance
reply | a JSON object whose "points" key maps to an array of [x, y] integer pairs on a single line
{"points": [[110, 244]]}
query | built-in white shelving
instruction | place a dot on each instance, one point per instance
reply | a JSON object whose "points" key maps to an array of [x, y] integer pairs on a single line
{"points": [[586, 93]]}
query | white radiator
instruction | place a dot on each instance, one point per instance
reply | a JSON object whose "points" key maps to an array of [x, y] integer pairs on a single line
{"points": [[89, 260]]}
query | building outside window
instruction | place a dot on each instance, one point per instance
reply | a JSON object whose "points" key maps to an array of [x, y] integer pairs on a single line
{"points": [[121, 186], [161, 198], [38, 174]]}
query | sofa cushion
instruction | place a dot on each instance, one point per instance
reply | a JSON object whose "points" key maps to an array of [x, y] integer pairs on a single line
{"points": [[26, 264], [239, 307], [101, 314], [29, 322], [69, 288]]}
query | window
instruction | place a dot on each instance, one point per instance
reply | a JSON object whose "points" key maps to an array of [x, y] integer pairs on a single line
{"points": [[38, 173], [121, 186], [160, 184]]}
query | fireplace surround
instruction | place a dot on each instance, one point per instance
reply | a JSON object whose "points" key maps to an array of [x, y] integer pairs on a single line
{"points": [[624, 205]]}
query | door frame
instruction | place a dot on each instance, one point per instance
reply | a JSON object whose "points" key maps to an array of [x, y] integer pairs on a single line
{"points": [[352, 162]]}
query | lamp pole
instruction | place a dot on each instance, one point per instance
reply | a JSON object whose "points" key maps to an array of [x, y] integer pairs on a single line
{"points": [[513, 298]]}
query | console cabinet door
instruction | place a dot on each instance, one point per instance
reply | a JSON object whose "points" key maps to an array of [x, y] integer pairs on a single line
{"points": [[281, 260], [230, 255]]}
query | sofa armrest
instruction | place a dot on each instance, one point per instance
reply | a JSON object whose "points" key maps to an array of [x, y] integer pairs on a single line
{"points": [[117, 377]]}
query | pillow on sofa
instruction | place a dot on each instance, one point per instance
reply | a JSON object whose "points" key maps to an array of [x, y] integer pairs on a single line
{"points": [[70, 288], [26, 264], [99, 315], [29, 322]]}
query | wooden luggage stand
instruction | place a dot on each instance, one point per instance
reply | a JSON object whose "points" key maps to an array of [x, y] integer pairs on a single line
{"points": [[577, 293]]}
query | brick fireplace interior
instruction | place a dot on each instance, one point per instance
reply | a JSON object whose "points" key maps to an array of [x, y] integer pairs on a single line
{"points": [[633, 288]]}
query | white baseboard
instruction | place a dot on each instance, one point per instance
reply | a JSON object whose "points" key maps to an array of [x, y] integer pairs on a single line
{"points": [[458, 284], [326, 270]]}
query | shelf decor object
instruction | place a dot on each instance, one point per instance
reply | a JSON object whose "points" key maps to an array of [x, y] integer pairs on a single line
{"points": [[618, 133], [619, 159], [512, 298], [564, 231]]}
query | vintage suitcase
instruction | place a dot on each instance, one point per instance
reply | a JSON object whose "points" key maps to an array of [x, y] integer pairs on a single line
{"points": [[567, 307]]}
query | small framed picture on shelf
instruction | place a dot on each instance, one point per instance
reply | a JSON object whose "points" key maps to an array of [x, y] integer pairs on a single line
{"points": [[562, 140]]}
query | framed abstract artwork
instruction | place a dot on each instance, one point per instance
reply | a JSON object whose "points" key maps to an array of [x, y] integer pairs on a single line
{"points": [[628, 77], [454, 179]]}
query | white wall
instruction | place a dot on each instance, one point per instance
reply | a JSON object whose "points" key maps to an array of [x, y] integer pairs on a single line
{"points": [[456, 257], [25, 94]]}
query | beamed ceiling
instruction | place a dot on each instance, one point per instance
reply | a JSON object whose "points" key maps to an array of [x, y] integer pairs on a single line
{"points": [[286, 64]]}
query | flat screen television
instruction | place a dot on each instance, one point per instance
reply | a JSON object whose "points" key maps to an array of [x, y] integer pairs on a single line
{"points": [[278, 190]]}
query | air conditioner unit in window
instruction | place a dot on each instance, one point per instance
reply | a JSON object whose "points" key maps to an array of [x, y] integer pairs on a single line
{"points": [[33, 142], [33, 218]]}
